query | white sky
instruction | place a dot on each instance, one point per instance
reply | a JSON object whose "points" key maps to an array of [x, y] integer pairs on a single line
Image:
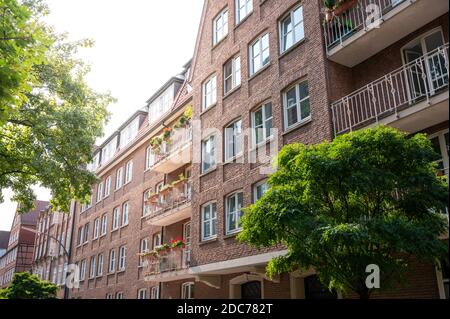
{"points": [[139, 45]]}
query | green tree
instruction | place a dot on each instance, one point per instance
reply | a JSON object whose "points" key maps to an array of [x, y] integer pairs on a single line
{"points": [[368, 197], [27, 286], [47, 135]]}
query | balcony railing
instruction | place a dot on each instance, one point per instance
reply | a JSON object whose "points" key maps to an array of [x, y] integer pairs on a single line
{"points": [[169, 261], [355, 19], [414, 82], [170, 199], [180, 138]]}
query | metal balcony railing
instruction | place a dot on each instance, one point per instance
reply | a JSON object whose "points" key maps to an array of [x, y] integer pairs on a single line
{"points": [[169, 261], [414, 82], [170, 199], [180, 138], [355, 19]]}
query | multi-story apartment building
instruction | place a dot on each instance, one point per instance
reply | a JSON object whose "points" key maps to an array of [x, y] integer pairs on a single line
{"points": [[19, 254], [4, 239], [52, 246], [265, 73], [141, 201]]}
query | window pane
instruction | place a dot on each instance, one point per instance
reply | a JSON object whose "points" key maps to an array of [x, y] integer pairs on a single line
{"points": [[304, 90], [292, 116], [291, 97], [305, 109]]}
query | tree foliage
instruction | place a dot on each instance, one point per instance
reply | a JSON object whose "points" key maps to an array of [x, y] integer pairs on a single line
{"points": [[27, 286], [368, 197], [51, 117]]}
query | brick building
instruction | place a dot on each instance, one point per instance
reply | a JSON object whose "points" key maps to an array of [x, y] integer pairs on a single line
{"points": [[4, 239], [265, 73], [52, 246], [19, 254]]}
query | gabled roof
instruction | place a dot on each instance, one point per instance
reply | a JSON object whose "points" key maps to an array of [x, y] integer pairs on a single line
{"points": [[31, 217], [197, 42]]}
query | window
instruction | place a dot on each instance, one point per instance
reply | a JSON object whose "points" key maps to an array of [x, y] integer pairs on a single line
{"points": [[220, 26], [129, 133], [259, 190], [83, 269], [112, 261], [119, 295], [161, 105], [187, 233], [440, 142], [233, 140], [292, 29], [296, 105], [142, 293], [92, 267], [209, 220], [92, 167], [96, 228], [109, 150], [143, 249], [209, 92], [125, 208], [262, 120], [208, 154], [109, 296], [232, 74], [79, 236], [187, 290], [115, 223], [86, 233], [251, 290], [129, 172], [119, 178], [243, 9], [149, 158], [155, 292], [157, 240], [104, 224], [316, 291], [122, 258], [108, 186], [234, 213], [147, 207], [99, 192], [100, 265], [259, 54], [444, 268]]}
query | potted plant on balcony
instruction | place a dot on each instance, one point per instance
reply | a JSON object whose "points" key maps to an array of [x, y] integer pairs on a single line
{"points": [[156, 142], [181, 179], [343, 5], [162, 249], [178, 244]]}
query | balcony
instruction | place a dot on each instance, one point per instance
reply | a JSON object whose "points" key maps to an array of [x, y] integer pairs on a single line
{"points": [[174, 153], [410, 98], [352, 37], [171, 205], [170, 265]]}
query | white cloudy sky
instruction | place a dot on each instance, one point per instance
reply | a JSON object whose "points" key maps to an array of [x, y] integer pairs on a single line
{"points": [[139, 45]]}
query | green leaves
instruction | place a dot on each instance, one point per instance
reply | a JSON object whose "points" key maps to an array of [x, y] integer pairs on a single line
{"points": [[51, 117], [368, 197], [27, 286]]}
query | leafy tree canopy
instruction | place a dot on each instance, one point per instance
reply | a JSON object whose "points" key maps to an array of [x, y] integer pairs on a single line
{"points": [[50, 117], [368, 197], [27, 286]]}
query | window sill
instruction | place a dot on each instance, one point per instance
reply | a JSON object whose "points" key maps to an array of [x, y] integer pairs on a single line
{"points": [[218, 43], [231, 92], [208, 109], [114, 230], [292, 48], [208, 172], [123, 226], [296, 126], [127, 183], [120, 271], [208, 241], [99, 276], [239, 23], [102, 236], [234, 159], [254, 75], [232, 235]]}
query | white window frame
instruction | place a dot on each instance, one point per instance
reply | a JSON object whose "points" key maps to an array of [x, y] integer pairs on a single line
{"points": [[255, 189], [86, 233], [235, 147], [237, 213], [120, 295], [187, 290], [122, 258], [212, 221], [252, 58], [212, 155], [143, 248], [142, 293], [109, 296], [92, 268], [129, 172], [222, 16], [292, 33], [209, 89], [119, 178], [100, 265], [112, 261], [83, 270], [107, 187], [235, 74], [149, 158], [263, 126], [156, 240], [248, 5], [125, 214], [146, 209], [99, 192], [96, 228], [116, 219], [154, 293], [299, 101], [104, 225]]}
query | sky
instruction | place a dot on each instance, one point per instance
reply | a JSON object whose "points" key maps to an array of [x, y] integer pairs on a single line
{"points": [[139, 45]]}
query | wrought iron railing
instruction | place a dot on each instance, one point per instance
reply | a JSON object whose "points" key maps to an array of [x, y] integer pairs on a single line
{"points": [[170, 198]]}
